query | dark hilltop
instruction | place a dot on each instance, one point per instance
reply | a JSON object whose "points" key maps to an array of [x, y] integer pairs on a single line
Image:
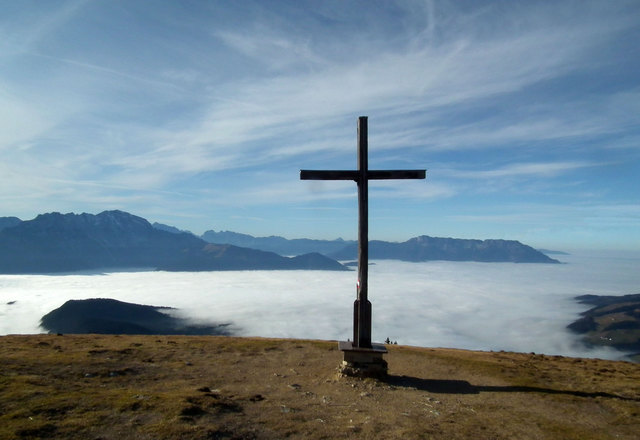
{"points": [[109, 316]]}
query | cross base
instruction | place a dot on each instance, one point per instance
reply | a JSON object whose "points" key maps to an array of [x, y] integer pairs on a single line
{"points": [[363, 362]]}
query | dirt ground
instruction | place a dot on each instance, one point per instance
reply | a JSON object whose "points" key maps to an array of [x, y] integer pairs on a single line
{"points": [[200, 387]]}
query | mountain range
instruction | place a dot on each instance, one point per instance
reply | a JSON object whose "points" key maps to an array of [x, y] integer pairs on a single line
{"points": [[274, 243], [116, 240], [422, 248], [425, 248]]}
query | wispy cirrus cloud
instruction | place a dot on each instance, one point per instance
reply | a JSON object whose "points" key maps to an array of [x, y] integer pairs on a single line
{"points": [[30, 26], [415, 81], [128, 101], [546, 169]]}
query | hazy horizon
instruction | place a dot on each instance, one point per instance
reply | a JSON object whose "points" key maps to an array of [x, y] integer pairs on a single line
{"points": [[468, 305], [605, 249]]}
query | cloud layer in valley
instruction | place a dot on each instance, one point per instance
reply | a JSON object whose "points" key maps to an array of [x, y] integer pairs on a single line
{"points": [[483, 306]]}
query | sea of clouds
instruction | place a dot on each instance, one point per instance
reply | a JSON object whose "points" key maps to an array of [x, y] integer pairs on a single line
{"points": [[479, 306]]}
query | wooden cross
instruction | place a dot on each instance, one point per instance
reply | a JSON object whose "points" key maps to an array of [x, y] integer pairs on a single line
{"points": [[362, 306]]}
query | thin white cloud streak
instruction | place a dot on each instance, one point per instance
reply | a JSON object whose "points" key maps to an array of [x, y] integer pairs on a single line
{"points": [[549, 214], [30, 29], [20, 119], [422, 190], [291, 190], [430, 77], [166, 87], [275, 190], [420, 79], [275, 52], [545, 169], [485, 306], [573, 121]]}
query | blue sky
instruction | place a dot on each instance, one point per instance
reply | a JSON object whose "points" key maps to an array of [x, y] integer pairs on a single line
{"points": [[200, 114]]}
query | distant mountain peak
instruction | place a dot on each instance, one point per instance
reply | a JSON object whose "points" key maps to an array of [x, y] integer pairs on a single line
{"points": [[56, 242], [168, 228], [420, 248], [120, 219], [276, 243]]}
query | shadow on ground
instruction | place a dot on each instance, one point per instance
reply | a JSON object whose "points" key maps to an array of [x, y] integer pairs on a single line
{"points": [[444, 386]]}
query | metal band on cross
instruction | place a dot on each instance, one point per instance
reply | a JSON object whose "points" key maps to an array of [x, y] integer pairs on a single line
{"points": [[362, 306]]}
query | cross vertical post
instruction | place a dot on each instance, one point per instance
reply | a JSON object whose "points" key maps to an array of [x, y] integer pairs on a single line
{"points": [[362, 306], [361, 357]]}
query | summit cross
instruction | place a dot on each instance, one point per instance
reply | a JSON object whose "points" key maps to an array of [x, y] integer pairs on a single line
{"points": [[362, 306]]}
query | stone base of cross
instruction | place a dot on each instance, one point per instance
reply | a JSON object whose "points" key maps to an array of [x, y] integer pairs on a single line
{"points": [[363, 362], [361, 357]]}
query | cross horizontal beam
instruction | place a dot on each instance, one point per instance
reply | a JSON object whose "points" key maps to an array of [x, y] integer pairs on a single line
{"points": [[362, 175], [356, 175]]}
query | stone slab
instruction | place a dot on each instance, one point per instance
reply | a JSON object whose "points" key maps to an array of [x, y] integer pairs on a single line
{"points": [[375, 348], [363, 362]]}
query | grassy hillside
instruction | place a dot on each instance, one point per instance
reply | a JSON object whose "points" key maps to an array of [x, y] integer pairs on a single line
{"points": [[210, 387]]}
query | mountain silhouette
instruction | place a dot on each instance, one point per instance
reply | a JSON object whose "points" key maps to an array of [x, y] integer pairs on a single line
{"points": [[115, 240], [423, 248], [277, 244]]}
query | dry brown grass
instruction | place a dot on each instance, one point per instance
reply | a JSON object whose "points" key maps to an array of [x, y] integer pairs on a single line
{"points": [[184, 387]]}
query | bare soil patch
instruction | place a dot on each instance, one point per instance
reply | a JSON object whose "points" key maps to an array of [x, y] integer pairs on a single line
{"points": [[215, 387]]}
